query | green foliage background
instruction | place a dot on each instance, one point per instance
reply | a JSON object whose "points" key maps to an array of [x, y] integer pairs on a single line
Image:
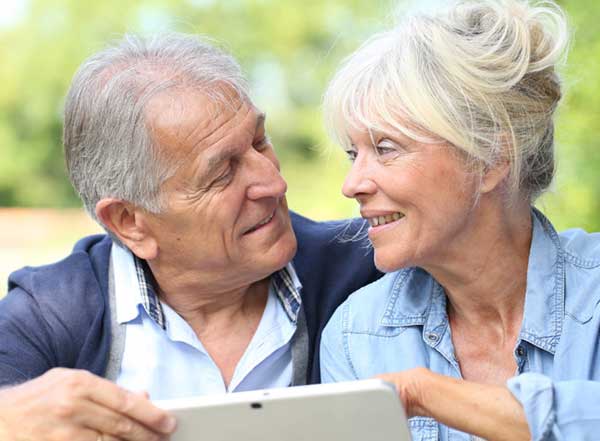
{"points": [[289, 49]]}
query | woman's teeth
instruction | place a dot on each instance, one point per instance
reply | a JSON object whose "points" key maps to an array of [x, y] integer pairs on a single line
{"points": [[382, 220]]}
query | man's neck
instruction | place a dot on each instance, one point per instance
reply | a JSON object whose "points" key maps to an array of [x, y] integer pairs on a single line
{"points": [[224, 322], [204, 310]]}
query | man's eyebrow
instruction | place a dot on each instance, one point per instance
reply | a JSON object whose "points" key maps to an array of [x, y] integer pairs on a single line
{"points": [[220, 157], [228, 152]]}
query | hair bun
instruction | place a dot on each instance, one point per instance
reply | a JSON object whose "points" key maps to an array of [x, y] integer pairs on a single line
{"points": [[507, 39]]}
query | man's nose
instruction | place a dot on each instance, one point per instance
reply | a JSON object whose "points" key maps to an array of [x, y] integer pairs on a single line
{"points": [[266, 180], [359, 181]]}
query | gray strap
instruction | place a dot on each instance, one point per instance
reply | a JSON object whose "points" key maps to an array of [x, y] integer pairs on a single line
{"points": [[117, 348], [300, 351], [117, 342]]}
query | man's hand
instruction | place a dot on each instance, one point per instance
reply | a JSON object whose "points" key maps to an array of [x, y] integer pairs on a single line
{"points": [[73, 405], [491, 412]]}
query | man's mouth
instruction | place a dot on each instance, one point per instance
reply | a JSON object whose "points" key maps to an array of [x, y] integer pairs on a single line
{"points": [[261, 223], [382, 220]]}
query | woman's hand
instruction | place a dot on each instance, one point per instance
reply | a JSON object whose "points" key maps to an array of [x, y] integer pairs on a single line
{"points": [[410, 385], [491, 412]]}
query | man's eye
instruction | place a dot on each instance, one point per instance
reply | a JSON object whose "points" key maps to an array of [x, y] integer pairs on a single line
{"points": [[223, 178], [262, 144], [351, 154]]}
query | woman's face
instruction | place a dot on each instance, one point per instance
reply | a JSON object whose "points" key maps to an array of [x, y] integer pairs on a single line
{"points": [[416, 196]]}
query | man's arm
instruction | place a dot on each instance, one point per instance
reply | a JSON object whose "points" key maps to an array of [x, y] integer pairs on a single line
{"points": [[67, 404], [40, 402], [26, 342]]}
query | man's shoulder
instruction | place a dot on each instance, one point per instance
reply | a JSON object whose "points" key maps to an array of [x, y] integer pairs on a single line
{"points": [[304, 224], [346, 233], [86, 265], [333, 257]]}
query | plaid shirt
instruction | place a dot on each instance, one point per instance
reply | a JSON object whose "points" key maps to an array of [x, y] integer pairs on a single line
{"points": [[282, 282]]}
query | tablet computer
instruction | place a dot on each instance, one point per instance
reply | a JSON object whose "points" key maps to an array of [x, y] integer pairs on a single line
{"points": [[349, 411]]}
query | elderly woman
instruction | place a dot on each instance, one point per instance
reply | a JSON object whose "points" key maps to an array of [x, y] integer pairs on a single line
{"points": [[489, 318]]}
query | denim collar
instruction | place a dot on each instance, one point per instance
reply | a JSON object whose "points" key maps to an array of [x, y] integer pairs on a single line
{"points": [[418, 300]]}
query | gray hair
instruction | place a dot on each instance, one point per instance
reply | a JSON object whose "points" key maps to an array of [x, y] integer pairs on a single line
{"points": [[480, 75], [108, 145]]}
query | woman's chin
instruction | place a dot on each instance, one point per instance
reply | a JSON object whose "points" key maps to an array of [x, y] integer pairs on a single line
{"points": [[388, 264]]}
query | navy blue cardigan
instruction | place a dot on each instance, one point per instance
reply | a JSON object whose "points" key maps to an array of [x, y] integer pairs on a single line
{"points": [[58, 315]]}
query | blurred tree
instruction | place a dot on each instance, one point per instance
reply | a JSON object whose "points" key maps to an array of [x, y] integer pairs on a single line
{"points": [[289, 49], [575, 199]]}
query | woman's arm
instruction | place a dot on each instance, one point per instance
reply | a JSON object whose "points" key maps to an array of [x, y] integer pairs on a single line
{"points": [[532, 407], [491, 412], [559, 410]]}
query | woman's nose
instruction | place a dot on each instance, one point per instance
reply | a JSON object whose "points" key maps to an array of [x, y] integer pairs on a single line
{"points": [[359, 181]]}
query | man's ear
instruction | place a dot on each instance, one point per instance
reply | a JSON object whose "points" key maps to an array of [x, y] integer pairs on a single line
{"points": [[494, 176], [128, 223]]}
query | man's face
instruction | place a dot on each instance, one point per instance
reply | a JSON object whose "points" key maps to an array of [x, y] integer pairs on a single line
{"points": [[226, 221]]}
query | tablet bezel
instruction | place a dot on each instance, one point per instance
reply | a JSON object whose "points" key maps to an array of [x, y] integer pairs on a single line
{"points": [[345, 411]]}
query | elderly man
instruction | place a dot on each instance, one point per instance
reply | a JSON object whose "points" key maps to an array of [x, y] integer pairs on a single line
{"points": [[200, 286]]}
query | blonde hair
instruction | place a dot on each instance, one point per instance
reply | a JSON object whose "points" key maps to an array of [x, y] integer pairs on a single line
{"points": [[480, 75]]}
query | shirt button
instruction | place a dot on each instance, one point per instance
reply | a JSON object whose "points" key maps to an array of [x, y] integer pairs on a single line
{"points": [[520, 351], [432, 338]]}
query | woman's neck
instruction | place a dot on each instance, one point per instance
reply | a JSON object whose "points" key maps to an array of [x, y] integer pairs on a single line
{"points": [[484, 272]]}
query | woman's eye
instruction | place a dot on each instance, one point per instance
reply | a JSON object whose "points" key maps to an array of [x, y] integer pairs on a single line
{"points": [[351, 154], [382, 150], [387, 148]]}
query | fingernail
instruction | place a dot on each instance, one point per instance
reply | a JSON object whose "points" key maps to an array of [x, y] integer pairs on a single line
{"points": [[169, 424]]}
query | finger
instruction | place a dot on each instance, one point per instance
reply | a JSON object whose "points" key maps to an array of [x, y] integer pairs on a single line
{"points": [[389, 378], [137, 407], [66, 432], [107, 437], [111, 423], [144, 394], [395, 380], [81, 434]]}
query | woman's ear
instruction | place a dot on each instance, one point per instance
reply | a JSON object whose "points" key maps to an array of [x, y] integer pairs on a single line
{"points": [[127, 222], [493, 176]]}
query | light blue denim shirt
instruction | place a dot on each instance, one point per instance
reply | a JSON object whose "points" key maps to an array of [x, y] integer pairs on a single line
{"points": [[400, 322]]}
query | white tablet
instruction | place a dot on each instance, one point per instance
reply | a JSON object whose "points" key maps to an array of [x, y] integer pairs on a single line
{"points": [[366, 410]]}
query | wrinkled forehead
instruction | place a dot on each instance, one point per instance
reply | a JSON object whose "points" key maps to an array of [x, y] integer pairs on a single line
{"points": [[183, 119]]}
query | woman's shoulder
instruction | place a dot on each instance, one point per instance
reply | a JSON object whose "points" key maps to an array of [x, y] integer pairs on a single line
{"points": [[395, 292], [582, 249], [582, 273], [378, 291]]}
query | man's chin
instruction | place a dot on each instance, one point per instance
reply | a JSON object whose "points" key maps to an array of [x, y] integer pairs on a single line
{"points": [[276, 245], [284, 250]]}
